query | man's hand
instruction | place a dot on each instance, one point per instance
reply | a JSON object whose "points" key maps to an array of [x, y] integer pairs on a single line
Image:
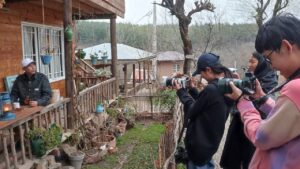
{"points": [[258, 90], [176, 85], [33, 103], [236, 92]]}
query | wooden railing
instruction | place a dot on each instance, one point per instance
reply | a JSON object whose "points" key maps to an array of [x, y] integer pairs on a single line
{"points": [[168, 141], [14, 131], [87, 99]]}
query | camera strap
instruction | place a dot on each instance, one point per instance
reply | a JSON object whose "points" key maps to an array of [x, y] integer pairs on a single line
{"points": [[295, 75]]}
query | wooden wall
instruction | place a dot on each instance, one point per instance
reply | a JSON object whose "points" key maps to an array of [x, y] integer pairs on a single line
{"points": [[11, 37]]}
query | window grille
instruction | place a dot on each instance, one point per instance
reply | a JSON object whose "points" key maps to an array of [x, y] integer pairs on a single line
{"points": [[36, 40]]}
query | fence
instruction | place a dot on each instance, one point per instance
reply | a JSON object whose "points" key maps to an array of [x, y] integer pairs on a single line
{"points": [[168, 140], [14, 131]]}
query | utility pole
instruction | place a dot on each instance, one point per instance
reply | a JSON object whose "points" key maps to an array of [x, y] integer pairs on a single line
{"points": [[154, 42]]}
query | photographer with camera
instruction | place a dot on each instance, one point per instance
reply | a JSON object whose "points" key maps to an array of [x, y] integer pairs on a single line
{"points": [[206, 112], [277, 138], [238, 149]]}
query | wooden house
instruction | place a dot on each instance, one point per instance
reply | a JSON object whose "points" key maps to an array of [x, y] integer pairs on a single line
{"points": [[29, 27]]}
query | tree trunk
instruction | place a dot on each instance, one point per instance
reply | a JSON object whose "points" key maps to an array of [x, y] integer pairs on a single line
{"points": [[187, 46]]}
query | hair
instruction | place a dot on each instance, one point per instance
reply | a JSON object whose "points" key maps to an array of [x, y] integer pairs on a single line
{"points": [[270, 35], [222, 69]]}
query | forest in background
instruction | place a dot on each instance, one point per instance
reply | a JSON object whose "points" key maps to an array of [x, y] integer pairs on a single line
{"points": [[233, 42]]}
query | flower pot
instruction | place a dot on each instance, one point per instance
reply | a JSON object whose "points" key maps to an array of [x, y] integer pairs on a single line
{"points": [[94, 60], [46, 59], [76, 159], [69, 34], [102, 140], [99, 108], [38, 147], [80, 54], [92, 156], [104, 58]]}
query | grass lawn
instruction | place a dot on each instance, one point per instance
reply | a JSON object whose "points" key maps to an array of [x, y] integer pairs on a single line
{"points": [[137, 149]]}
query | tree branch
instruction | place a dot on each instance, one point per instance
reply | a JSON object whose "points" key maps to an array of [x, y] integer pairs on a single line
{"points": [[203, 5]]}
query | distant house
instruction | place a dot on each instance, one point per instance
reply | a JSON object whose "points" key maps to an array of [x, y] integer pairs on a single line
{"points": [[126, 55], [168, 63]]}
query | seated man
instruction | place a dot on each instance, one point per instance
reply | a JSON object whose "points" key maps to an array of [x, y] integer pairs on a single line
{"points": [[31, 88]]}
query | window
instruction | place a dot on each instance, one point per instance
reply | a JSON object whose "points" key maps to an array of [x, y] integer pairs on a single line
{"points": [[176, 67], [36, 38]]}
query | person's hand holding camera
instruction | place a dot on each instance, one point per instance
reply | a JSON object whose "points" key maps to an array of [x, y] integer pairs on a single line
{"points": [[237, 93], [176, 85], [258, 91]]}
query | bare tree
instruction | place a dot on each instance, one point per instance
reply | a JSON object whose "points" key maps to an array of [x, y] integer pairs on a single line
{"points": [[261, 7], [177, 9], [279, 6]]}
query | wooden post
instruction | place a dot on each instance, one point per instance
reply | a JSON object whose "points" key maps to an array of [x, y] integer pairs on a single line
{"points": [[68, 66], [114, 55], [6, 155], [125, 79], [144, 73], [148, 68], [13, 147], [133, 74], [21, 130], [139, 72]]}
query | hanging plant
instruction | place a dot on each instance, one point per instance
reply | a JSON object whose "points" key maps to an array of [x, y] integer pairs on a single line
{"points": [[94, 57], [80, 54], [47, 54], [69, 33]]}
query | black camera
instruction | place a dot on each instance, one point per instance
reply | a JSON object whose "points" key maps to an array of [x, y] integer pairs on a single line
{"points": [[181, 155], [247, 85], [168, 82]]}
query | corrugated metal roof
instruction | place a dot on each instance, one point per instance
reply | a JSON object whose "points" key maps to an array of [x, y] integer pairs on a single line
{"points": [[124, 52], [169, 56]]}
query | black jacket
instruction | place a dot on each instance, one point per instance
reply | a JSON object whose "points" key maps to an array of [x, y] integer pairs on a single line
{"points": [[238, 150], [37, 88], [266, 75], [207, 113]]}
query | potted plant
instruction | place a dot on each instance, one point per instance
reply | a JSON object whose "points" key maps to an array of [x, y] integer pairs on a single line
{"points": [[104, 57], [99, 107], [43, 140], [46, 55], [94, 58], [80, 53], [37, 141]]}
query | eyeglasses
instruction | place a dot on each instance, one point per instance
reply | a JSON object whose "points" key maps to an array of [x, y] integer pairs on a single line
{"points": [[268, 56]]}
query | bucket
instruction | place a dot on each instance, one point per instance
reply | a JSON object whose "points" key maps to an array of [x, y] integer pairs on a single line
{"points": [[76, 159], [55, 95]]}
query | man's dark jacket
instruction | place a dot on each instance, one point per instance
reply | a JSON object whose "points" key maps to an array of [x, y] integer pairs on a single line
{"points": [[207, 112], [37, 88]]}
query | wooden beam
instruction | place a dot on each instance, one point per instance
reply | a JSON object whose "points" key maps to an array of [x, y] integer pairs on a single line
{"points": [[69, 62], [114, 55], [125, 79], [133, 74]]}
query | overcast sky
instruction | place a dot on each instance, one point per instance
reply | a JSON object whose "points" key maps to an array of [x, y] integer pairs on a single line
{"points": [[228, 11]]}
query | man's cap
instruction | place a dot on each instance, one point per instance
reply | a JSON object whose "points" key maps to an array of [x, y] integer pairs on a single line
{"points": [[26, 62], [206, 60]]}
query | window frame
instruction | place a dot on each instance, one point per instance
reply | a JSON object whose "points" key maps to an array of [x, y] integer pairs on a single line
{"points": [[37, 40], [176, 67]]}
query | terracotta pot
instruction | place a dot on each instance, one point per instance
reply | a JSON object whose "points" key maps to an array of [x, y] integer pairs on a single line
{"points": [[108, 140], [92, 156]]}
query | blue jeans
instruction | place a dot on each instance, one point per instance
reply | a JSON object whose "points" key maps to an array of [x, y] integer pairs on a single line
{"points": [[209, 165]]}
